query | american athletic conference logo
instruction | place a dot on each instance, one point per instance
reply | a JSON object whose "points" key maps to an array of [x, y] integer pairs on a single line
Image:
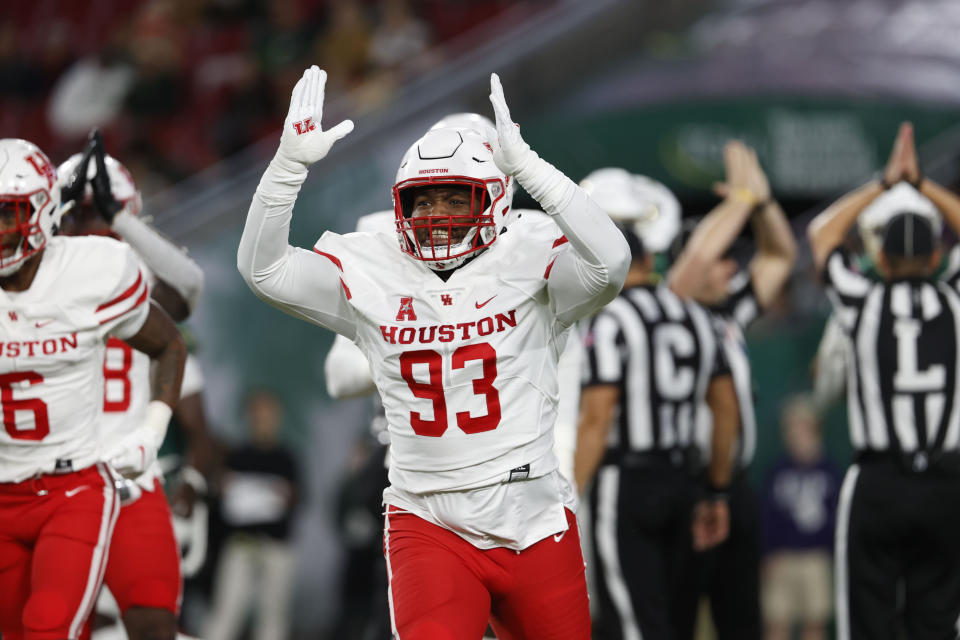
{"points": [[406, 311]]}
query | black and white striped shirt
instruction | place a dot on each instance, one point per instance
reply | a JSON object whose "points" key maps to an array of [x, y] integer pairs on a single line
{"points": [[662, 352], [902, 356], [732, 318]]}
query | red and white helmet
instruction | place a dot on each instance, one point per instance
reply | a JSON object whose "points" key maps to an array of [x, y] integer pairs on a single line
{"points": [[122, 185], [647, 206], [27, 185], [450, 158]]}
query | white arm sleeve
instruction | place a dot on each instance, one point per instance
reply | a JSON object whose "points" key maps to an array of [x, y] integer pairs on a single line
{"points": [[167, 261], [298, 282], [591, 275], [583, 280], [347, 371]]}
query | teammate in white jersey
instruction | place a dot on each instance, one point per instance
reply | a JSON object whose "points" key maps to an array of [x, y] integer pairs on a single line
{"points": [[60, 299], [143, 571], [463, 327]]}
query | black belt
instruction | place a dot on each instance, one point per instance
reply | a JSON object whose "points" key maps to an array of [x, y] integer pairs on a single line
{"points": [[943, 462], [686, 458]]}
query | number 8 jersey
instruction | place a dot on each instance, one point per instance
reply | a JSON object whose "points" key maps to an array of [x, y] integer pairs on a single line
{"points": [[467, 368], [52, 341]]}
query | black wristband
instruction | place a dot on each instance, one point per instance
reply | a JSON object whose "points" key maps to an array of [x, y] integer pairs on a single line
{"points": [[716, 493], [918, 183]]}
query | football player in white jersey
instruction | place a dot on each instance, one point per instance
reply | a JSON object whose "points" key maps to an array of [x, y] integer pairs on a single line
{"points": [[348, 374], [60, 299], [463, 325], [143, 571]]}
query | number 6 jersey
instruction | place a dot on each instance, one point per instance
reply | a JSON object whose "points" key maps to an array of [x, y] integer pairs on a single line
{"points": [[52, 340]]}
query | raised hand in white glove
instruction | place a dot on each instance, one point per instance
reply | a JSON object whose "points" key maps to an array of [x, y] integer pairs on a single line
{"points": [[302, 140], [510, 153], [513, 156]]}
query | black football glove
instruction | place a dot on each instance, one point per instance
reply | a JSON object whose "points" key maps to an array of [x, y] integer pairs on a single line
{"points": [[107, 206], [71, 192]]}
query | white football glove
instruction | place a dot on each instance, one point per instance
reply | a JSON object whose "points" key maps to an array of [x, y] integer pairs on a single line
{"points": [[513, 156], [302, 140], [510, 152], [138, 450], [134, 458]]}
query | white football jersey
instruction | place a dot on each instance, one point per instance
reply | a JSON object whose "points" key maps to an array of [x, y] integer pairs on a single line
{"points": [[52, 342], [126, 393], [467, 368]]}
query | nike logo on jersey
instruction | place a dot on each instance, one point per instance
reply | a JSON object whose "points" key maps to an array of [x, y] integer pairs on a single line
{"points": [[557, 537], [40, 325], [480, 305], [75, 491]]}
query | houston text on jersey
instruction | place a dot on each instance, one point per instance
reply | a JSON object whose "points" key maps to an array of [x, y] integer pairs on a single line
{"points": [[30, 348], [448, 332]]}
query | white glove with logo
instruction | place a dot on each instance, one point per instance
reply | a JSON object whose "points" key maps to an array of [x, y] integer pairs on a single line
{"points": [[138, 450], [548, 186], [302, 140], [135, 456]]}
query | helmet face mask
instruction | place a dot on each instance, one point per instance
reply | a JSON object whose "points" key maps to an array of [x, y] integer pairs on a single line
{"points": [[29, 206], [449, 198]]}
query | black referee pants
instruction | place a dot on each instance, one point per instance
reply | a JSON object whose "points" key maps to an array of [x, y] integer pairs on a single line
{"points": [[897, 556], [729, 574], [641, 520]]}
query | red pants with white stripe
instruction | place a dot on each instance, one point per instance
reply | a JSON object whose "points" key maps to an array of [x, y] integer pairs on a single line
{"points": [[54, 535], [144, 565], [444, 588]]}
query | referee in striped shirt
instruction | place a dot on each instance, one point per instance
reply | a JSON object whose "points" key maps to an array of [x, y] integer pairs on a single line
{"points": [[653, 361], [897, 549], [703, 273]]}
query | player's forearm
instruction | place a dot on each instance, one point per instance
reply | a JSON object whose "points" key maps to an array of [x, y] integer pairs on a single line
{"points": [[591, 444], [828, 230], [945, 200], [298, 282], [709, 241], [170, 263], [264, 242], [776, 253], [722, 400], [590, 231], [167, 371], [774, 236]]}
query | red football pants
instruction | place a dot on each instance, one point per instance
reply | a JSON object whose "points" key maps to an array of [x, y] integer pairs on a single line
{"points": [[144, 565], [54, 536], [444, 588]]}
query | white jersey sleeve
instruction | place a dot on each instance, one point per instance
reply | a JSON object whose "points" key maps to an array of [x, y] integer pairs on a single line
{"points": [[301, 283], [346, 371], [126, 308]]}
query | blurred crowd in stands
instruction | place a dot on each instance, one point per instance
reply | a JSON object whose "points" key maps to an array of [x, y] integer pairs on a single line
{"points": [[176, 85]]}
